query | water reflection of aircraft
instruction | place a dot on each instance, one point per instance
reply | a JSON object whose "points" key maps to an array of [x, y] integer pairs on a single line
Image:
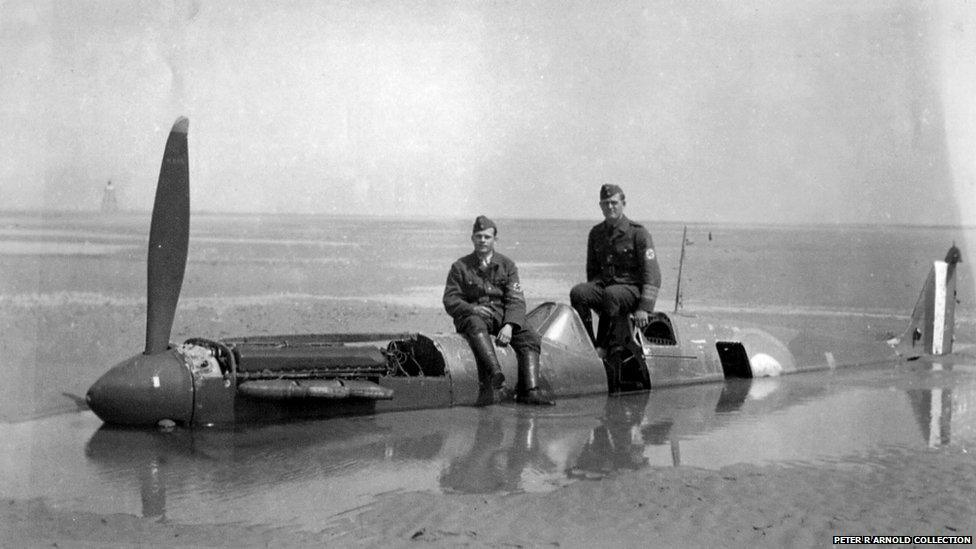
{"points": [[267, 378], [941, 410], [323, 467], [222, 461], [634, 423]]}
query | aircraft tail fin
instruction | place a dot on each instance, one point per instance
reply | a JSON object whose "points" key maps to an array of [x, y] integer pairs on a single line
{"points": [[931, 328]]}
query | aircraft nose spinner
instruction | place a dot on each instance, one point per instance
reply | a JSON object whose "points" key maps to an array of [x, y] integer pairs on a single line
{"points": [[144, 390]]}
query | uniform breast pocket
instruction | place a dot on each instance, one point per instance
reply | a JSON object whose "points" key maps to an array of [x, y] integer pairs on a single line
{"points": [[623, 254], [623, 251]]}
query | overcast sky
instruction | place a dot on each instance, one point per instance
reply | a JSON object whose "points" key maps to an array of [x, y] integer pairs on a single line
{"points": [[744, 111]]}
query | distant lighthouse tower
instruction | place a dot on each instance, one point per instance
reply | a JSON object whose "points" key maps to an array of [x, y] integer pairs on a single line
{"points": [[109, 202]]}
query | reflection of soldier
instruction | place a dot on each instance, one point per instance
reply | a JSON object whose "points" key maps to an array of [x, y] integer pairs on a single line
{"points": [[489, 467], [618, 442], [484, 296]]}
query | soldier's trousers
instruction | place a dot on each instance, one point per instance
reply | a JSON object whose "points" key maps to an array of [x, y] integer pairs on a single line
{"points": [[613, 303], [522, 337]]}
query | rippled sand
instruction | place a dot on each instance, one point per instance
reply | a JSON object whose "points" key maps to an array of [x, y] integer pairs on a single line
{"points": [[899, 493]]}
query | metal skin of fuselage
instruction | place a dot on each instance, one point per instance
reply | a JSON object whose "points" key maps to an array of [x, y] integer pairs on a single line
{"points": [[276, 378], [169, 386]]}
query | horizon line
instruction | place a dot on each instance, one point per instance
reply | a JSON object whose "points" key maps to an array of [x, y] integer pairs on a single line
{"points": [[441, 218]]}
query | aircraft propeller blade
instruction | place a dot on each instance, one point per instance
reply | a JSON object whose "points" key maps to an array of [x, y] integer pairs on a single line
{"points": [[168, 239]]}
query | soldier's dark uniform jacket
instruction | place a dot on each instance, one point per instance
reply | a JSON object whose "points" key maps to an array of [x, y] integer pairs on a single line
{"points": [[624, 254], [497, 286]]}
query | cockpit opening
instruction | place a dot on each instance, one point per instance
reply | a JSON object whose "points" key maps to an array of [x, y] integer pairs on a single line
{"points": [[659, 330]]}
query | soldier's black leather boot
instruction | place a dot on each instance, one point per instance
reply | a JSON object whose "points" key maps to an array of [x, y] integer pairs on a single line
{"points": [[529, 391], [489, 371]]}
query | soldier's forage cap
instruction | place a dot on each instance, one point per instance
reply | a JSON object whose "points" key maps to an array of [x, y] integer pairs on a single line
{"points": [[609, 190], [482, 223]]}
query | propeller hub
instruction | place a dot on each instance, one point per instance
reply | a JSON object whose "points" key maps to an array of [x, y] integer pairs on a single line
{"points": [[144, 390]]}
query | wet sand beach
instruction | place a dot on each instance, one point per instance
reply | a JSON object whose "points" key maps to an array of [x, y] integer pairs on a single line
{"points": [[736, 506], [71, 308]]}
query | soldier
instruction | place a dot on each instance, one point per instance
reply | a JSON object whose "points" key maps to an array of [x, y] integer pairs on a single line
{"points": [[484, 297], [622, 273]]}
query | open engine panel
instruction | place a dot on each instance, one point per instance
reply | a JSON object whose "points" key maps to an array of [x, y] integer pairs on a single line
{"points": [[414, 356]]}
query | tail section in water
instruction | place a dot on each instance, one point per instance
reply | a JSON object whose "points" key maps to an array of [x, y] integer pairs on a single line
{"points": [[932, 325]]}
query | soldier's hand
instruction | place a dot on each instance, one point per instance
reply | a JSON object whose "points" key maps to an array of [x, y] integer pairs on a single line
{"points": [[504, 335], [640, 319], [482, 311]]}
